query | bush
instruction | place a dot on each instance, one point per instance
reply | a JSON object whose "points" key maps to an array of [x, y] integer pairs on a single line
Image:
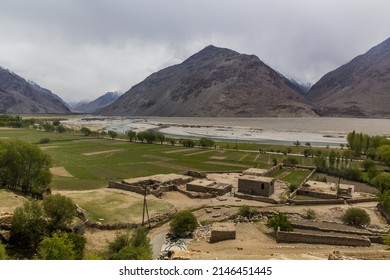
{"points": [[135, 248], [281, 221], [292, 187], [60, 211], [356, 217], [58, 247], [246, 211], [310, 214], [386, 240], [183, 223], [290, 160], [44, 141]]}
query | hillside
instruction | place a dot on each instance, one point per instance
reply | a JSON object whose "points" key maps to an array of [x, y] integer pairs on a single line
{"points": [[213, 82], [19, 96], [98, 103], [360, 88]]}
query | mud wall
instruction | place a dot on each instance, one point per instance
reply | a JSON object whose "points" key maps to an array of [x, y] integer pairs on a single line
{"points": [[309, 238]]}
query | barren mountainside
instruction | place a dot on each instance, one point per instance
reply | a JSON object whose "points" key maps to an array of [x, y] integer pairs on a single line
{"points": [[360, 88], [213, 82], [98, 103], [18, 96]]}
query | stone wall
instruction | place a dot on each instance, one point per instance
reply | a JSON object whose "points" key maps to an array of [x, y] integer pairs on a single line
{"points": [[316, 194], [272, 169], [310, 238], [255, 197], [222, 231], [315, 201], [195, 174]]}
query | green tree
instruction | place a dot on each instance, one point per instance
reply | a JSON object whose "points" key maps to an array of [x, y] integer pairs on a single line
{"points": [[160, 137], [57, 247], [28, 225], [135, 248], [280, 221], [206, 142], [112, 134], [308, 144], [332, 159], [24, 166], [382, 182], [60, 129], [296, 143], [183, 223], [141, 136], [384, 199], [86, 131], [367, 163], [372, 172], [188, 143], [131, 135], [60, 211], [356, 216]]}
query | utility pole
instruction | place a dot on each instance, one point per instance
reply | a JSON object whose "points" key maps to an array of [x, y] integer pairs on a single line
{"points": [[145, 209]]}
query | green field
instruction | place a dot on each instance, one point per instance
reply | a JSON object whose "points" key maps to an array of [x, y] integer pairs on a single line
{"points": [[94, 161]]}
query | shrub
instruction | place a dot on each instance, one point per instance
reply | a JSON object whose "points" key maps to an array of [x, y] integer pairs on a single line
{"points": [[356, 216], [310, 214], [292, 187], [135, 248], [281, 221], [58, 247], [290, 160], [60, 211], [246, 211], [386, 240], [44, 141], [183, 223]]}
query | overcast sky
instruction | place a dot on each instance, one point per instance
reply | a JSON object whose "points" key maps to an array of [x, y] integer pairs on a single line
{"points": [[81, 49]]}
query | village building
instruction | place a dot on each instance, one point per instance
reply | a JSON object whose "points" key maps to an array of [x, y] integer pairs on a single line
{"points": [[256, 185], [206, 186]]}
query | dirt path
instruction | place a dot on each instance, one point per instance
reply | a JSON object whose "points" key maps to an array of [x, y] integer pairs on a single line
{"points": [[228, 164], [60, 171], [101, 152]]}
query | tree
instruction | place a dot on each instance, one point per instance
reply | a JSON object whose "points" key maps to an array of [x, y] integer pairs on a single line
{"points": [[367, 163], [86, 131], [57, 247], [188, 143], [372, 172], [24, 166], [183, 223], [60, 129], [384, 199], [131, 135], [307, 152], [141, 136], [291, 160], [60, 211], [135, 248], [3, 253], [356, 216], [112, 134], [296, 143], [280, 221], [28, 225], [206, 142], [382, 182], [308, 144], [332, 159], [160, 137]]}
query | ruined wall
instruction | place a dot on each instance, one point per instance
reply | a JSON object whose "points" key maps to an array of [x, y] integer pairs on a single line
{"points": [[316, 194], [195, 174], [299, 237], [127, 187], [255, 187], [316, 202], [256, 198], [222, 231], [274, 168]]}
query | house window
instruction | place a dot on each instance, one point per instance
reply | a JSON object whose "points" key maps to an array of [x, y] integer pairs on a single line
{"points": [[262, 186]]}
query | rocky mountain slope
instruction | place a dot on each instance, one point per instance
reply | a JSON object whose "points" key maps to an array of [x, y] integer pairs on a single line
{"points": [[213, 82], [98, 103], [360, 88], [18, 96]]}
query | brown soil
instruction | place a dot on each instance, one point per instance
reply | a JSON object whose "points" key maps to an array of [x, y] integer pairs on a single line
{"points": [[60, 171], [101, 152]]}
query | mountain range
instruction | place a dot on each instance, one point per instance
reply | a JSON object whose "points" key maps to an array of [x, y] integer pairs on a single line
{"points": [[98, 103], [218, 82], [19, 96]]}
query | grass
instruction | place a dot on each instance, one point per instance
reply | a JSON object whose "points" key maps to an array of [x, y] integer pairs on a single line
{"points": [[116, 207], [137, 159], [293, 176], [10, 201]]}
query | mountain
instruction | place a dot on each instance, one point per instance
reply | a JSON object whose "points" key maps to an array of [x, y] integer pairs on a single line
{"points": [[360, 88], [214, 82], [19, 96], [102, 101]]}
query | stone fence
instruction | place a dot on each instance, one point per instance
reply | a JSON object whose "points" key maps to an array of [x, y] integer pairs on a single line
{"points": [[323, 238], [255, 197]]}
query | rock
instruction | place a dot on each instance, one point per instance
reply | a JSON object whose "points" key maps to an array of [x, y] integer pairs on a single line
{"points": [[335, 255]]}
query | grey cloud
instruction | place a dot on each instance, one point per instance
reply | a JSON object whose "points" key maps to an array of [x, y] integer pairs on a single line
{"points": [[82, 48]]}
